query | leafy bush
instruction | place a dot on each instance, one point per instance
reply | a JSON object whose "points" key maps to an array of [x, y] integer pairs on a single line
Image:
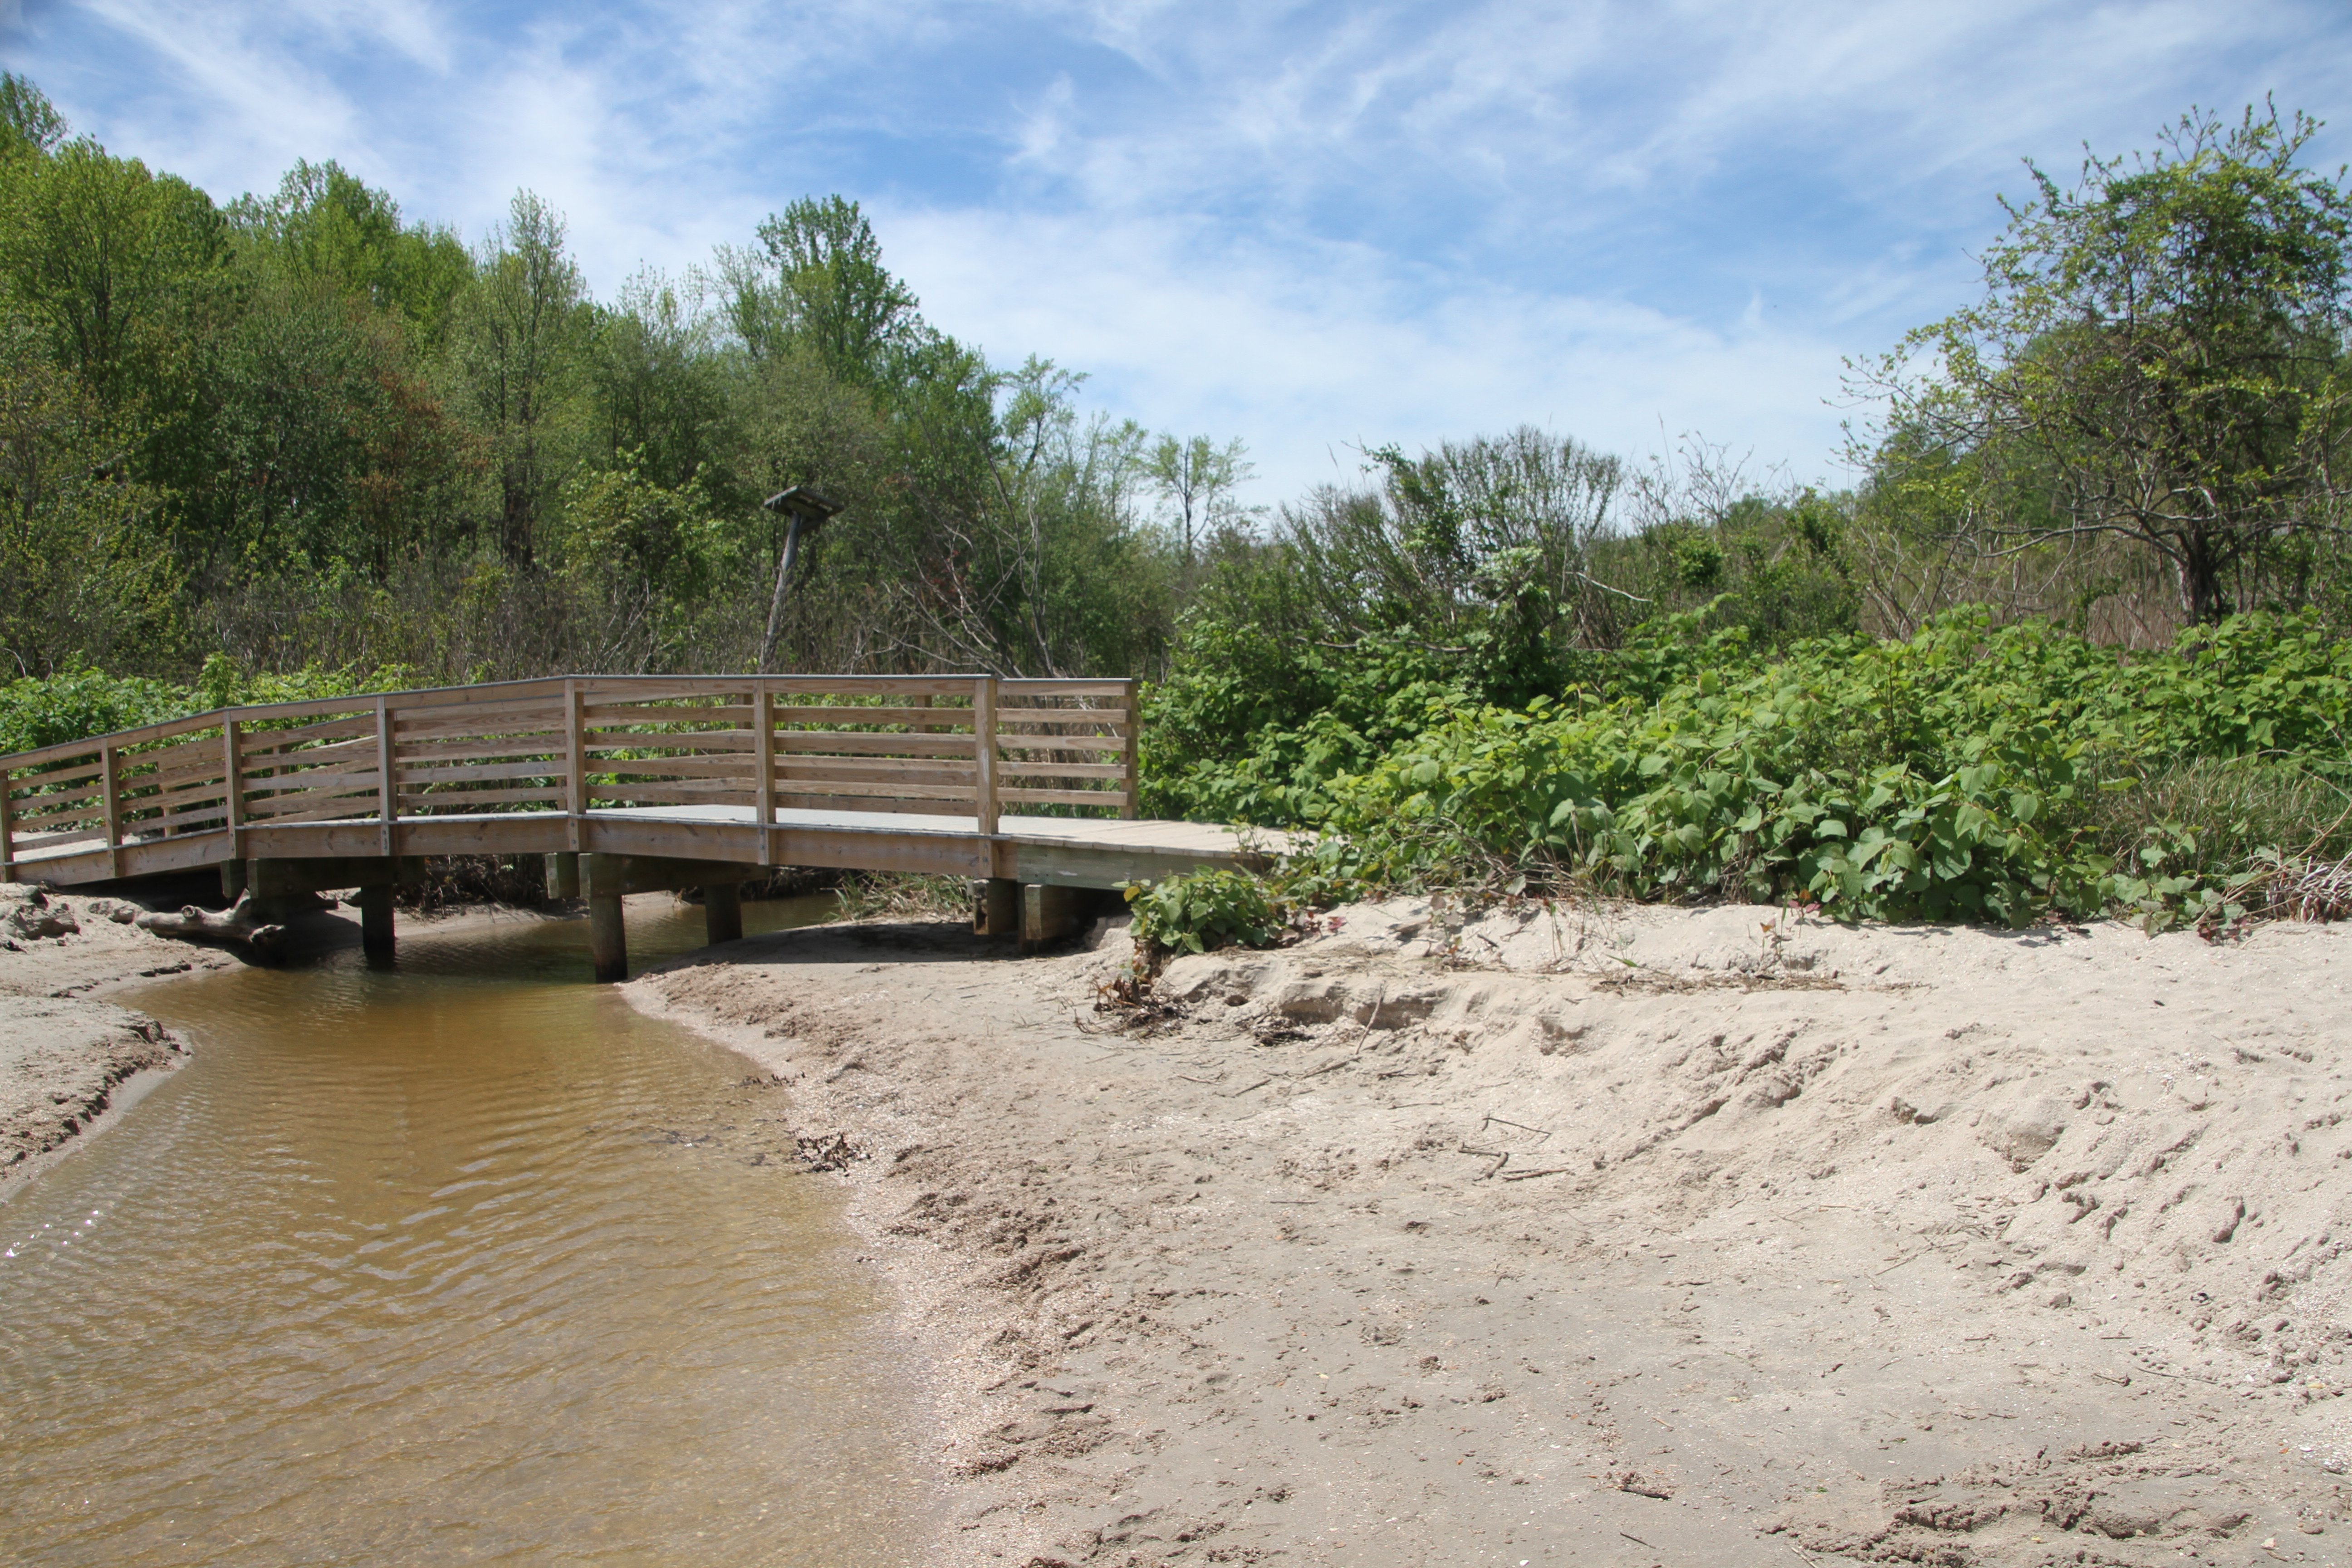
{"points": [[1203, 910], [1974, 773]]}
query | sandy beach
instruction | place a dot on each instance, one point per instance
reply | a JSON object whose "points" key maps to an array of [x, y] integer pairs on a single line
{"points": [[1630, 1235], [69, 1062]]}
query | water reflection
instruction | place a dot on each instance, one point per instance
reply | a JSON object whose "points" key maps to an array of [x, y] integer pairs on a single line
{"points": [[464, 1262]]}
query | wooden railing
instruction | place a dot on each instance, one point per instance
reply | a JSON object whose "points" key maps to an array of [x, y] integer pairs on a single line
{"points": [[954, 745]]}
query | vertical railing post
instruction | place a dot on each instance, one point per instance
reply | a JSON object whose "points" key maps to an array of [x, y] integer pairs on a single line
{"points": [[113, 808], [983, 750], [232, 791], [387, 788], [8, 826], [575, 761], [763, 757], [1127, 758]]}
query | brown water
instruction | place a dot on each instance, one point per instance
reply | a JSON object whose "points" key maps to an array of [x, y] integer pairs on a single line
{"points": [[462, 1262]]}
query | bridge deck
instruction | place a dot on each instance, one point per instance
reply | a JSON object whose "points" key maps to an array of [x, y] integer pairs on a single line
{"points": [[942, 775], [1044, 850]]}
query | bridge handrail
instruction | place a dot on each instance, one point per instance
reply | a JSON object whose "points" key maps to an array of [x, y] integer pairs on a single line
{"points": [[383, 746]]}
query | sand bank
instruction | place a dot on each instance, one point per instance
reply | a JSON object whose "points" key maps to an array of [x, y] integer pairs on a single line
{"points": [[69, 1062], [1621, 1237]]}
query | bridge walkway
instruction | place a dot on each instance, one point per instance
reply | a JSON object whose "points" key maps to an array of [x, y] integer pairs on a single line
{"points": [[628, 783]]}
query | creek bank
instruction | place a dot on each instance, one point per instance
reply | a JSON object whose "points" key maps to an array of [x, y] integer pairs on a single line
{"points": [[1610, 1236], [69, 1061]]}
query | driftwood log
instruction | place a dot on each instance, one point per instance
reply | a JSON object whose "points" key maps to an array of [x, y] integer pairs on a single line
{"points": [[241, 925]]}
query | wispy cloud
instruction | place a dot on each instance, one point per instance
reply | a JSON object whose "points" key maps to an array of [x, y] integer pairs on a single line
{"points": [[1306, 224]]}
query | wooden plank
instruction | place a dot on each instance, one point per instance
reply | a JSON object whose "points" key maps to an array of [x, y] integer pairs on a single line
{"points": [[983, 725], [1073, 729], [802, 763], [672, 794], [465, 772], [724, 713], [195, 811], [871, 743], [1061, 745], [670, 740], [348, 808], [1032, 688], [652, 768], [1062, 770], [423, 802], [867, 805], [341, 802], [180, 854], [295, 781], [551, 747], [936, 854], [332, 751], [539, 722], [259, 744], [8, 830], [58, 780], [1091, 866], [80, 811], [959, 786], [935, 719], [876, 685], [1062, 797]]}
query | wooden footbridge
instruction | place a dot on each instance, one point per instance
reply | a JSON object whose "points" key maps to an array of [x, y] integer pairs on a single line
{"points": [[625, 783]]}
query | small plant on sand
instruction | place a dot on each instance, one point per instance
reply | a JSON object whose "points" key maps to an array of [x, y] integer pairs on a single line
{"points": [[1203, 910]]}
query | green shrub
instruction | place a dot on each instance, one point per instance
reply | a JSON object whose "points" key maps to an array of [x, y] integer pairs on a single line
{"points": [[1974, 773], [1203, 910]]}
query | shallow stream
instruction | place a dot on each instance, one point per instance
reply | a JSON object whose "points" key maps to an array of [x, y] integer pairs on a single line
{"points": [[460, 1261]]}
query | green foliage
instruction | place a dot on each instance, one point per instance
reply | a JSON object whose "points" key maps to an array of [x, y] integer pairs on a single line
{"points": [[1973, 773], [77, 704], [1203, 910]]}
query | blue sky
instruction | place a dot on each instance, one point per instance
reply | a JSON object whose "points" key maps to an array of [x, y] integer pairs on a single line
{"points": [[1308, 225]]}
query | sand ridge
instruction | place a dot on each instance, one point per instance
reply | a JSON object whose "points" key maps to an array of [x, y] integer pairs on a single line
{"points": [[1605, 1235]]}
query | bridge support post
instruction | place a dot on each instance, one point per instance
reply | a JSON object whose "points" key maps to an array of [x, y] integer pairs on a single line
{"points": [[1050, 913], [608, 941], [564, 876], [998, 908], [722, 912], [375, 919]]}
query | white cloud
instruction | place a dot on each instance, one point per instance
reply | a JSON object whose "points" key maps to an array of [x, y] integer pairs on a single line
{"points": [[1303, 224]]}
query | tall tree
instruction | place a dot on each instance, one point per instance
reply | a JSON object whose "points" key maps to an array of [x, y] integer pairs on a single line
{"points": [[1197, 479], [2160, 353], [518, 331]]}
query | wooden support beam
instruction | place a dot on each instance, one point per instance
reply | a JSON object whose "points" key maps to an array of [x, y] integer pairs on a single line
{"points": [[1048, 914], [111, 800], [232, 795], [722, 912], [1127, 758], [997, 907], [564, 875], [386, 776], [375, 919], [763, 755], [608, 940], [983, 729], [7, 829], [575, 758]]}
